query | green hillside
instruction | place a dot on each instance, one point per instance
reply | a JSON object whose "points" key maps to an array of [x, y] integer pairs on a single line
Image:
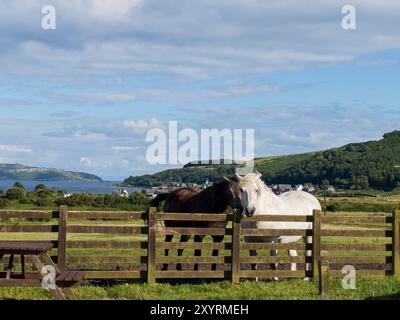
{"points": [[370, 164], [21, 172], [194, 174]]}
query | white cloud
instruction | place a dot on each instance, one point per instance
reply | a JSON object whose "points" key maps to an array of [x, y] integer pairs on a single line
{"points": [[125, 163], [89, 136], [14, 149], [122, 149], [113, 10], [98, 164], [225, 91], [197, 39], [136, 124], [86, 161], [140, 126], [102, 98]]}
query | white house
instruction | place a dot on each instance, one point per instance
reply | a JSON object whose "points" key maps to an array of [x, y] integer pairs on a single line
{"points": [[124, 193]]}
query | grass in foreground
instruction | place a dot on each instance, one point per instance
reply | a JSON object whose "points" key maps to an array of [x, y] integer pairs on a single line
{"points": [[367, 288]]}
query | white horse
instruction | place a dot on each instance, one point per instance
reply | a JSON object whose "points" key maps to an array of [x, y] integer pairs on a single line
{"points": [[258, 199]]}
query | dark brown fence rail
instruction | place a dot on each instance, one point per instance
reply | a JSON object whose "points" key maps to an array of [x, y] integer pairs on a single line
{"points": [[131, 245]]}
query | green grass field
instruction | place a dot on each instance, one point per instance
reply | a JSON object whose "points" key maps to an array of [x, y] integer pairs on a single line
{"points": [[366, 288]]}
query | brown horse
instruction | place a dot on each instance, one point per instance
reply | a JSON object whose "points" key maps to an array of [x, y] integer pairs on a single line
{"points": [[215, 199]]}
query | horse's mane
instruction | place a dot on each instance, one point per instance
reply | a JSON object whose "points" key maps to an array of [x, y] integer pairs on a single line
{"points": [[261, 184], [254, 177], [215, 188]]}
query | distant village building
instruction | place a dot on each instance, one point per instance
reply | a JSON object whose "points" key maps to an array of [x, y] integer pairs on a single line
{"points": [[176, 184], [150, 194], [162, 189], [124, 193], [309, 187], [206, 184], [331, 189], [281, 188], [284, 188]]}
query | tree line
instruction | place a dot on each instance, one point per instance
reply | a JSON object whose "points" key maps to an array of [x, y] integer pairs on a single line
{"points": [[42, 196], [373, 164]]}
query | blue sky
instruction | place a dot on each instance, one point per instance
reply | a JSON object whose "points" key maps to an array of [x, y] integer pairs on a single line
{"points": [[82, 97]]}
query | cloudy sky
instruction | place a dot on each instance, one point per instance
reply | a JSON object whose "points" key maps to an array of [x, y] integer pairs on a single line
{"points": [[83, 96]]}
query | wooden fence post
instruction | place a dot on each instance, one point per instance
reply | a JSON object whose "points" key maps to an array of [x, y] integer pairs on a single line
{"points": [[396, 244], [316, 243], [62, 238], [235, 251], [151, 245], [324, 277]]}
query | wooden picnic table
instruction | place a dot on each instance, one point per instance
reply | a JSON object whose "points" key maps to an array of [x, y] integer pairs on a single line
{"points": [[38, 254]]}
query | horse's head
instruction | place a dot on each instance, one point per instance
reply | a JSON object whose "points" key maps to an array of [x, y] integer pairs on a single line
{"points": [[232, 193], [250, 190]]}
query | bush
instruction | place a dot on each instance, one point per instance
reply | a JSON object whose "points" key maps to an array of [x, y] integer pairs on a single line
{"points": [[4, 203], [44, 202], [15, 193], [40, 187], [19, 185]]}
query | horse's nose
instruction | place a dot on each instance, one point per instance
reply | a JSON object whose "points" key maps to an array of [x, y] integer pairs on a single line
{"points": [[250, 212]]}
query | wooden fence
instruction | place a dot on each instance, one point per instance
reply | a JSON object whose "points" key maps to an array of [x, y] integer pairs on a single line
{"points": [[85, 238], [376, 254], [131, 245]]}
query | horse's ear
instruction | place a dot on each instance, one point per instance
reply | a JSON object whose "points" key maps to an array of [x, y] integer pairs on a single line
{"points": [[238, 177], [227, 179]]}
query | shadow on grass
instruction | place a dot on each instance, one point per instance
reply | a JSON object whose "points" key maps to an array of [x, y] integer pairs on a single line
{"points": [[395, 296], [110, 282], [177, 281]]}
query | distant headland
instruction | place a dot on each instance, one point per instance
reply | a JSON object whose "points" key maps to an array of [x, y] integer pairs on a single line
{"points": [[23, 173]]}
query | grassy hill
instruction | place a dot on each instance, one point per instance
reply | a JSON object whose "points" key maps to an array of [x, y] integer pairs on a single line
{"points": [[21, 172], [365, 165], [357, 165], [193, 174]]}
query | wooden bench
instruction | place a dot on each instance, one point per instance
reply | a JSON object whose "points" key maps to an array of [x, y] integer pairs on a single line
{"points": [[71, 276], [37, 253], [70, 279]]}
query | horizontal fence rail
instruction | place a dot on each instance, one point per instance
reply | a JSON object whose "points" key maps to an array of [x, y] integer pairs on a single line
{"points": [[137, 245], [279, 218], [26, 214], [193, 217]]}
